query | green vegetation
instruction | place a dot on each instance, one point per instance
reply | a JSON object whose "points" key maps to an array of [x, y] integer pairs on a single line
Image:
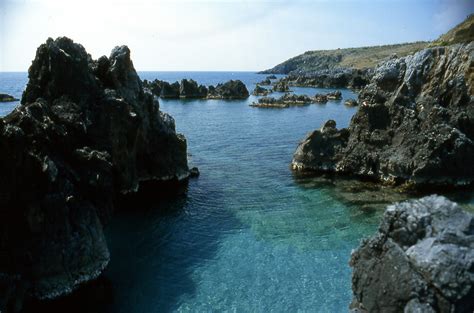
{"points": [[359, 58], [367, 57]]}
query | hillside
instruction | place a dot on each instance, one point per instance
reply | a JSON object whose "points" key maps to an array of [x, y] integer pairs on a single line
{"points": [[358, 58], [368, 57], [464, 32]]}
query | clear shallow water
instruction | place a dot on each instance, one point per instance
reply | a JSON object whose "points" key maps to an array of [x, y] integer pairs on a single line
{"points": [[247, 236]]}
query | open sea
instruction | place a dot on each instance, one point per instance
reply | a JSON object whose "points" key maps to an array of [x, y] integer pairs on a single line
{"points": [[248, 236]]}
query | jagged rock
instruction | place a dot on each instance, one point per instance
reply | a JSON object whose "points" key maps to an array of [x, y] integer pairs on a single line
{"points": [[190, 89], [320, 98], [260, 91], [233, 89], [86, 133], [284, 101], [7, 98], [334, 95], [351, 103], [271, 77], [281, 86], [415, 123], [170, 91], [154, 86], [420, 260]]}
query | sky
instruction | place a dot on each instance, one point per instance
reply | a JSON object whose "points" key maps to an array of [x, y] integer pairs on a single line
{"points": [[218, 35]]}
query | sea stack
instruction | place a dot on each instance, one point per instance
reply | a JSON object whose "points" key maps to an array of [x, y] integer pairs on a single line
{"points": [[85, 134]]}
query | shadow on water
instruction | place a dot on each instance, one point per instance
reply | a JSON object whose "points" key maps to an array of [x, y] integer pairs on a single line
{"points": [[155, 244], [155, 248]]}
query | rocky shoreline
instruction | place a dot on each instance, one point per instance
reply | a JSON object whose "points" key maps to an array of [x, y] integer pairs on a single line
{"points": [[415, 124], [420, 260], [290, 100], [86, 134], [190, 89]]}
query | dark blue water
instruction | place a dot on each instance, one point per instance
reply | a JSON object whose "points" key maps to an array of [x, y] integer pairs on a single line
{"points": [[247, 236]]}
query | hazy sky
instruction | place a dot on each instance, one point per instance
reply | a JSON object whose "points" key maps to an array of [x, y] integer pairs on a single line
{"points": [[218, 34]]}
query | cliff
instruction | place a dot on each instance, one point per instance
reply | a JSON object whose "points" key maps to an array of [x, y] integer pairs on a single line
{"points": [[85, 134]]}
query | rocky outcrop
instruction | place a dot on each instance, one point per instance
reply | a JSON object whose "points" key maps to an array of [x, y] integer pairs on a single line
{"points": [[271, 77], [284, 101], [189, 89], [260, 91], [233, 89], [351, 102], [7, 98], [420, 260], [280, 86], [415, 124], [170, 91], [85, 135], [331, 78]]}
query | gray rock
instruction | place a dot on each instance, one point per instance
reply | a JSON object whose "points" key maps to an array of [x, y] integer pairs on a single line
{"points": [[414, 125], [85, 135], [421, 260]]}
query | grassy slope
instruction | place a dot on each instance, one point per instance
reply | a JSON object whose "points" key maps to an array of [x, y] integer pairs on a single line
{"points": [[366, 57], [463, 32]]}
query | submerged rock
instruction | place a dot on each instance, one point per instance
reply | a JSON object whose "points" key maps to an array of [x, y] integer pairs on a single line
{"points": [[420, 260], [7, 98], [86, 133], [415, 124]]}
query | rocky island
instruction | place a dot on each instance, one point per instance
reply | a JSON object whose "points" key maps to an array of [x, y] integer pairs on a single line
{"points": [[85, 135], [189, 89], [7, 98], [420, 260], [415, 124], [288, 100]]}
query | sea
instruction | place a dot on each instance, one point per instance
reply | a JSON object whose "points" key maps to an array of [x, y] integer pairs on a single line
{"points": [[248, 235]]}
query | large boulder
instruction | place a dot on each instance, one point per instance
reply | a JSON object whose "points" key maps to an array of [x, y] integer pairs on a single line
{"points": [[86, 133], [415, 123], [420, 260], [170, 91]]}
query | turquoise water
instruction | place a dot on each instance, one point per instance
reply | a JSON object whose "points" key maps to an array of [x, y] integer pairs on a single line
{"points": [[248, 236]]}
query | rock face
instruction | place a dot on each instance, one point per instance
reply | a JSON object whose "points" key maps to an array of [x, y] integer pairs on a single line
{"points": [[85, 134], [415, 123], [7, 98], [420, 260], [190, 89]]}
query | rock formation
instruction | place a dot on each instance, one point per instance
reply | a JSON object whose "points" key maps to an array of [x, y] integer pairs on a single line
{"points": [[280, 86], [86, 133], [420, 260], [260, 91], [284, 101], [351, 102], [189, 89], [7, 98], [415, 124]]}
